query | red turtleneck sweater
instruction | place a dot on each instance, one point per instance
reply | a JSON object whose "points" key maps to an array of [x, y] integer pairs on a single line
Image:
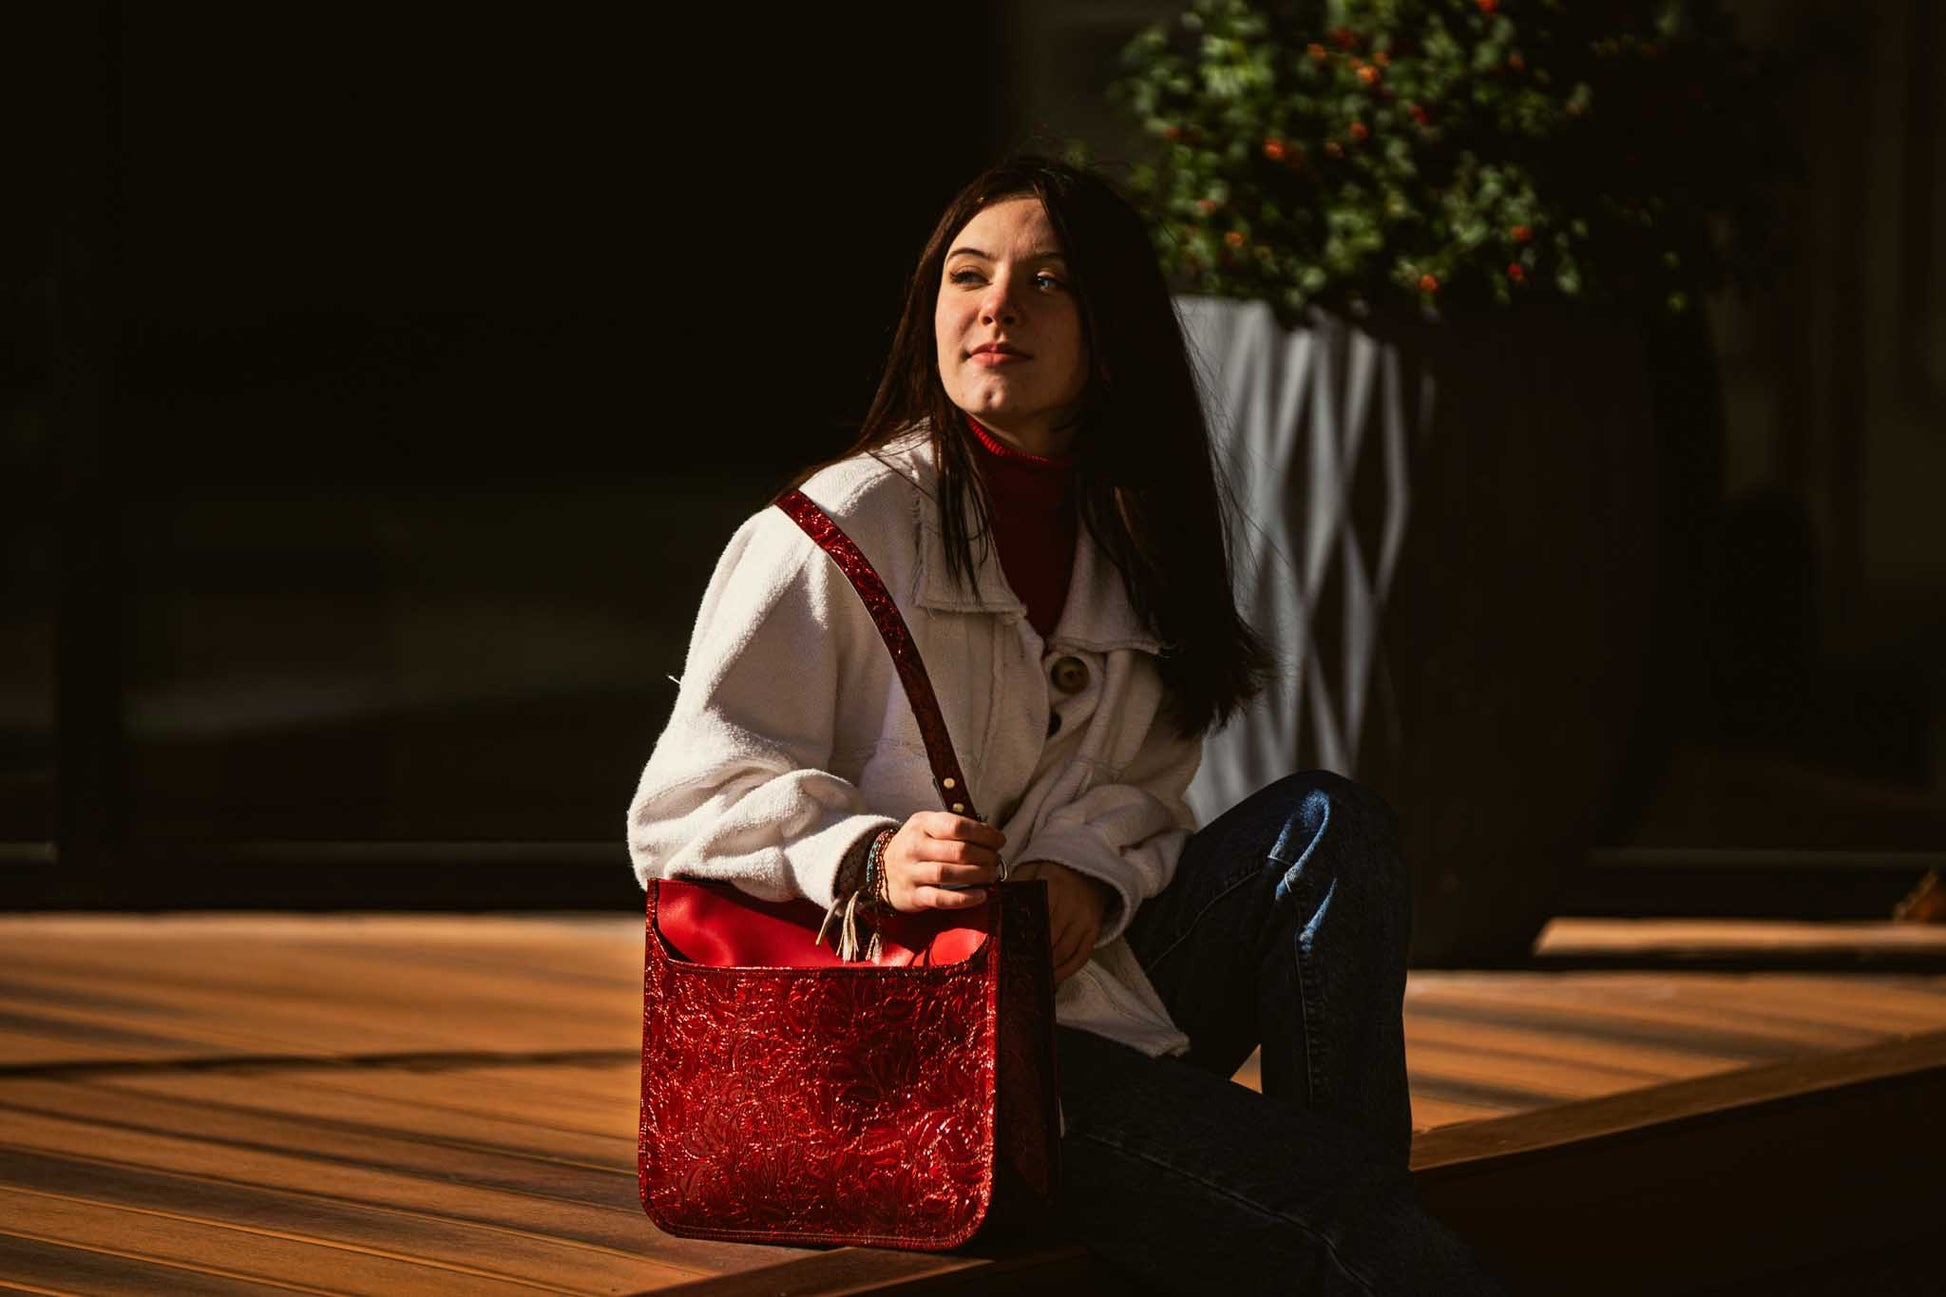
{"points": [[1034, 523]]}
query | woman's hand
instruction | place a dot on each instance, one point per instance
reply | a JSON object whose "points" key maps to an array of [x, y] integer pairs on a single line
{"points": [[936, 850], [1075, 906]]}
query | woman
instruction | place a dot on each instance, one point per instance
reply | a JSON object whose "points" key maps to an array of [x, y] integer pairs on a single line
{"points": [[1034, 484]]}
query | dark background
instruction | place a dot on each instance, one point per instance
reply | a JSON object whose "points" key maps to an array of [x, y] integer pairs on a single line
{"points": [[399, 372], [380, 383]]}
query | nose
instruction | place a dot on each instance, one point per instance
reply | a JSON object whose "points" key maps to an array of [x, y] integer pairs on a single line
{"points": [[998, 306]]}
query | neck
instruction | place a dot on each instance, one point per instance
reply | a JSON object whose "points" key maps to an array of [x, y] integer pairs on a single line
{"points": [[1033, 439]]}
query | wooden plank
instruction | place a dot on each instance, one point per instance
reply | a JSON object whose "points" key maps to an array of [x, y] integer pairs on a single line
{"points": [[444, 1240], [1476, 1144], [18, 1047], [1699, 1013], [1577, 936], [1664, 1063], [1652, 1009], [287, 986], [234, 1251], [828, 1274], [1027, 1269], [1890, 1004], [584, 1098], [1716, 1179], [352, 1017], [517, 1129], [60, 1270], [220, 1128], [1559, 1077], [606, 1213], [1430, 1111]]}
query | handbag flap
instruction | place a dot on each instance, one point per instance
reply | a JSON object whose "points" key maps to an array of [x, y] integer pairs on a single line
{"points": [[715, 925]]}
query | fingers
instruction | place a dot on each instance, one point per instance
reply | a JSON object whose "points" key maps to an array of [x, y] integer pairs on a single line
{"points": [[938, 898], [934, 854], [946, 826], [955, 860], [1063, 942], [1075, 957], [958, 853], [957, 866], [939, 875], [942, 887], [1073, 947]]}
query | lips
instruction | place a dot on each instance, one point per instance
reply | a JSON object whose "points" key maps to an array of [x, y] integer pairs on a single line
{"points": [[995, 353]]}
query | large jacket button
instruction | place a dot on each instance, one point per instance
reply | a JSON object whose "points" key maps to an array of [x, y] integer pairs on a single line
{"points": [[1070, 675]]}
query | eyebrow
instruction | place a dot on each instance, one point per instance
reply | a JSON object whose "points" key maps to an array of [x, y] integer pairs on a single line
{"points": [[1046, 254]]}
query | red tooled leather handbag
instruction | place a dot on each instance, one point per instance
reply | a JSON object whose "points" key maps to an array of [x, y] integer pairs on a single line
{"points": [[789, 1096]]}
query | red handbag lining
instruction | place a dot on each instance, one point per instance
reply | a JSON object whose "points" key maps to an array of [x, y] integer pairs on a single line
{"points": [[712, 926], [909, 966]]}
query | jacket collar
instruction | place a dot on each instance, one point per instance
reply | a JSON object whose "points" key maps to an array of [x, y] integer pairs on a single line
{"points": [[1097, 615]]}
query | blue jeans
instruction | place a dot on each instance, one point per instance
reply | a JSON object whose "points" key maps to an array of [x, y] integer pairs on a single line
{"points": [[1285, 928]]}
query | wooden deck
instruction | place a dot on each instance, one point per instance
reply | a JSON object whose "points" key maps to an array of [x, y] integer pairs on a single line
{"points": [[426, 1104]]}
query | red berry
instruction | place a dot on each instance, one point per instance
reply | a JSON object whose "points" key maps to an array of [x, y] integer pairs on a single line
{"points": [[1234, 238], [1205, 205], [1488, 6], [1360, 131], [1367, 73], [1428, 283], [1515, 273], [1419, 113], [1274, 149], [1522, 233], [1343, 37], [1172, 133]]}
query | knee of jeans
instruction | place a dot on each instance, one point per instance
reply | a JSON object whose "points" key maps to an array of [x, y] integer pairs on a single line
{"points": [[1361, 824]]}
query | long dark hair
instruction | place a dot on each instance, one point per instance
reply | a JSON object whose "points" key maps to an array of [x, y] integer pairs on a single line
{"points": [[1147, 486]]}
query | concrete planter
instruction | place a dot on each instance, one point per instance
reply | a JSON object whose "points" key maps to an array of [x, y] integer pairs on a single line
{"points": [[1450, 542]]}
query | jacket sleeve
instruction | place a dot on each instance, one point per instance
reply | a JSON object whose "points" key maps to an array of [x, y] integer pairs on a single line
{"points": [[738, 787], [1127, 834]]}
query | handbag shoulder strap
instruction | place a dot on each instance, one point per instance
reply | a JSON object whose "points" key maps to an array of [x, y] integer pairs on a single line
{"points": [[948, 780]]}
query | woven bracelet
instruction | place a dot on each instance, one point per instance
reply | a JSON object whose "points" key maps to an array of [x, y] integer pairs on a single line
{"points": [[878, 889]]}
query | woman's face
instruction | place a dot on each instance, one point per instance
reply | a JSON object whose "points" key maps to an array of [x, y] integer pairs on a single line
{"points": [[1008, 328]]}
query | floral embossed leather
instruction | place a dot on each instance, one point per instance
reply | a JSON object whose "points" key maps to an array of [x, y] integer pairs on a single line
{"points": [[791, 1097], [845, 1103]]}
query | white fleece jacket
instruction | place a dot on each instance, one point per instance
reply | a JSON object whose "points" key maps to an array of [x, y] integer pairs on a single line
{"points": [[791, 737]]}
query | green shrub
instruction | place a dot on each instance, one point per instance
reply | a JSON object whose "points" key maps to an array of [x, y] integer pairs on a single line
{"points": [[1455, 152]]}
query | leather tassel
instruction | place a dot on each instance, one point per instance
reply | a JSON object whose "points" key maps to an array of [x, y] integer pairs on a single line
{"points": [[825, 927], [843, 912], [848, 934]]}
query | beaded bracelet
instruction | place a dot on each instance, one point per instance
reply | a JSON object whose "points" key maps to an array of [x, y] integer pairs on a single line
{"points": [[874, 897], [878, 888]]}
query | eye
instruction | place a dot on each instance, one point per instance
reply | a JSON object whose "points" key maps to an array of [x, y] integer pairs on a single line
{"points": [[964, 275], [1048, 280]]}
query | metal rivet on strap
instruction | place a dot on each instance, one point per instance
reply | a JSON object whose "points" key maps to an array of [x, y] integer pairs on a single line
{"points": [[948, 782], [958, 807]]}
